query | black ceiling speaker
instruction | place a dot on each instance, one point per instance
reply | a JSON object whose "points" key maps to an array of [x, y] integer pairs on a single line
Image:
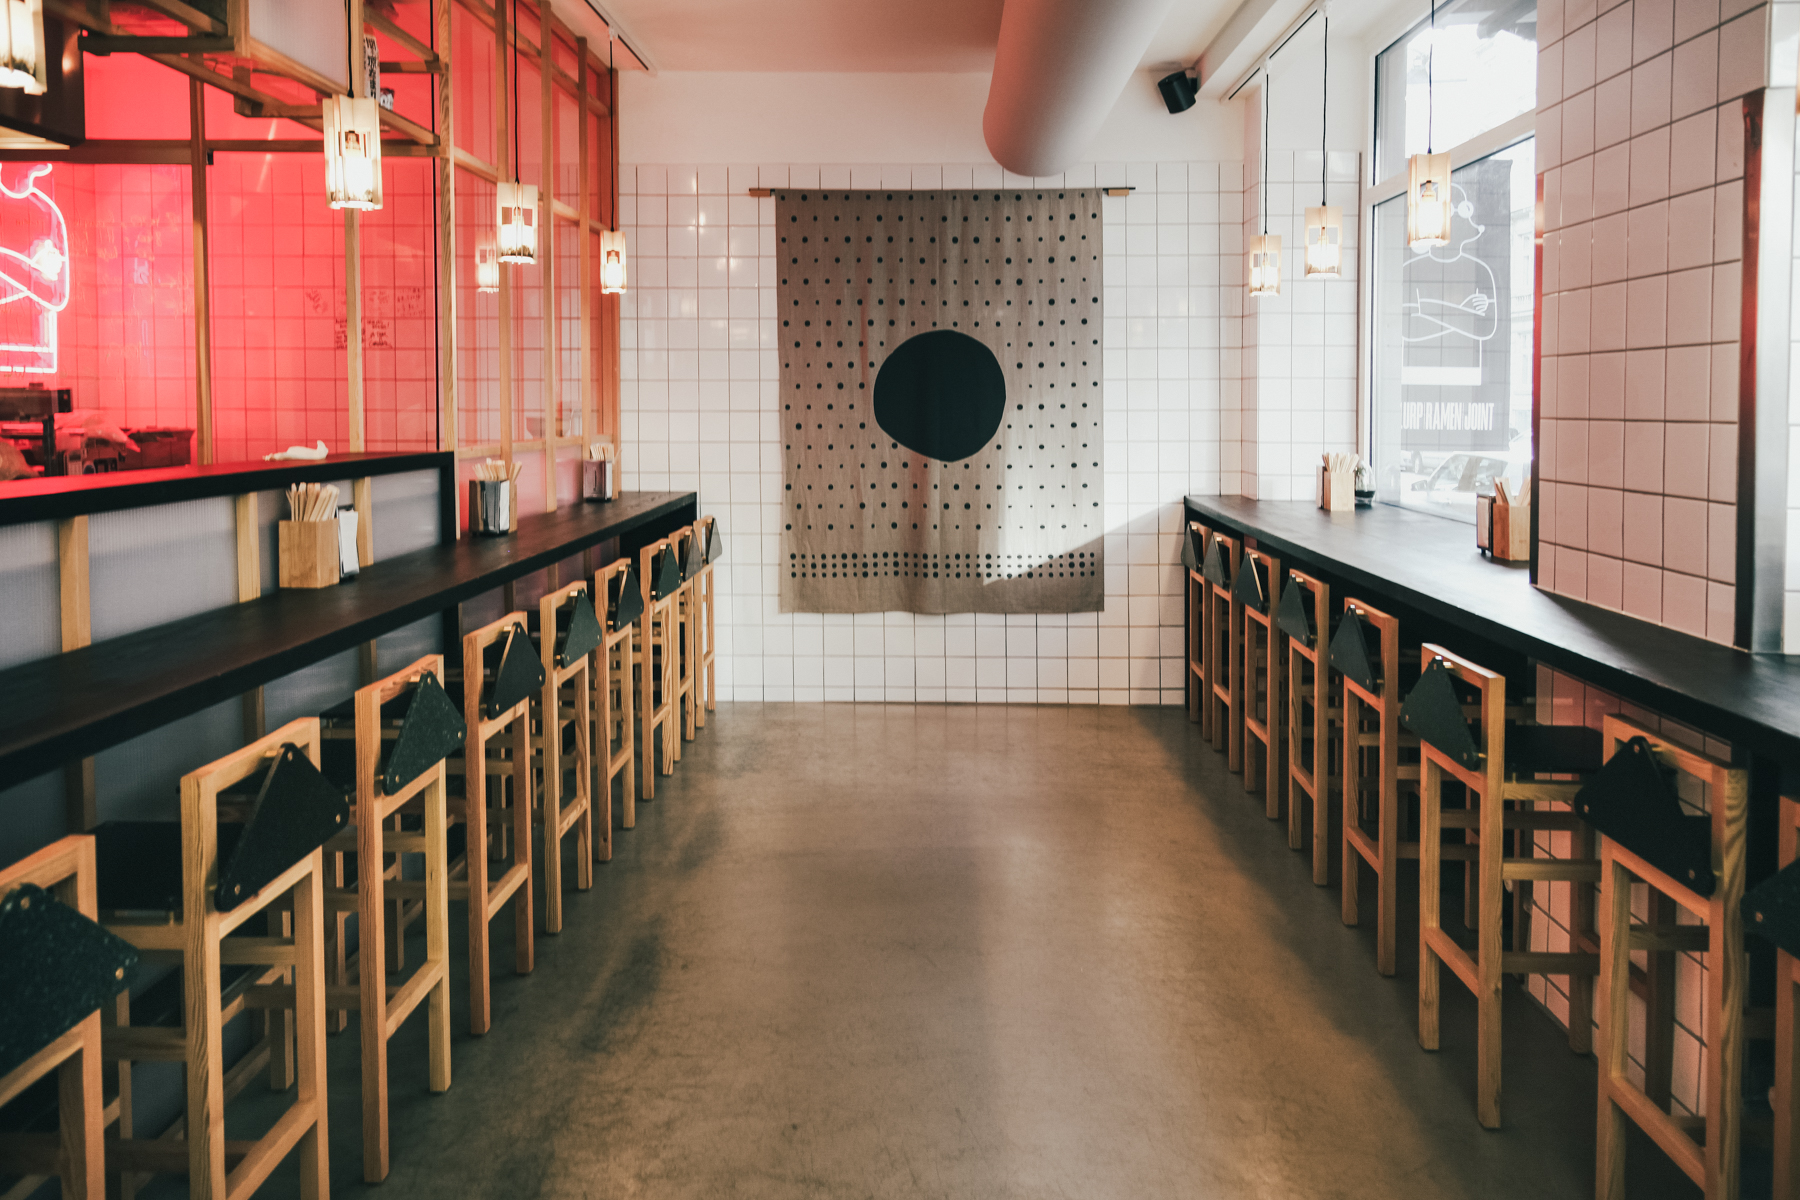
{"points": [[1178, 90]]}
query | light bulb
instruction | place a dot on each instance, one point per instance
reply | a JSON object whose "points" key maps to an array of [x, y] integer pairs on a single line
{"points": [[612, 262], [516, 205]]}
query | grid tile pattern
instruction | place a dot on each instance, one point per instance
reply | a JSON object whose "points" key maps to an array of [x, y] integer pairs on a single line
{"points": [[1298, 389], [701, 389], [1640, 152]]}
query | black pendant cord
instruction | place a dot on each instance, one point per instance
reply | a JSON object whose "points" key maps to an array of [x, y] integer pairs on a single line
{"points": [[1431, 80], [515, 90], [1324, 108], [1268, 95]]}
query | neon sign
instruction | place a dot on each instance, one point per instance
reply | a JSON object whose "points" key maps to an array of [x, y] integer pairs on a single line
{"points": [[34, 272]]}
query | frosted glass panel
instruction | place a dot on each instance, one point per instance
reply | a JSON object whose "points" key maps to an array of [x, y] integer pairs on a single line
{"points": [[140, 780], [151, 565], [30, 626], [34, 816], [406, 513]]}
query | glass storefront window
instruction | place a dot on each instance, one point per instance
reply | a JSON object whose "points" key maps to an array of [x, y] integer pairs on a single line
{"points": [[1484, 74], [1451, 379]]}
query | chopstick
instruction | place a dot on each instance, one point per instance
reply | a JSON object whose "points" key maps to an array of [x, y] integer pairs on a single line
{"points": [[495, 470], [312, 501]]}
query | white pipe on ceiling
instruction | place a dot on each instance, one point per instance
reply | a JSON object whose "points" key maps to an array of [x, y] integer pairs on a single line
{"points": [[1059, 69]]}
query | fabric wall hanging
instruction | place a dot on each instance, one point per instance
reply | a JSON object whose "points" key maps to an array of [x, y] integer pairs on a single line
{"points": [[941, 399]]}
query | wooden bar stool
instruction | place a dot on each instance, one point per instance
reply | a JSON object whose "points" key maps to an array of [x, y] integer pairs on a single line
{"points": [[705, 584], [1500, 766], [1372, 685], [248, 843], [1265, 737], [401, 729], [1194, 540], [1305, 620], [615, 737], [657, 651], [687, 559], [501, 675], [1224, 662], [568, 634], [1699, 862], [1772, 911], [57, 968]]}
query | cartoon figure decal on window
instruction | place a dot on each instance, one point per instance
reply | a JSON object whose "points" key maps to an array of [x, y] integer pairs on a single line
{"points": [[34, 271], [1452, 305]]}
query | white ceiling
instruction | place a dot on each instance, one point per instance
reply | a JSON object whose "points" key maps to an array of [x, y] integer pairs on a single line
{"points": [[860, 35]]}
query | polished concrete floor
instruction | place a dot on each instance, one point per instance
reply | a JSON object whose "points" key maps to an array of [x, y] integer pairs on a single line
{"points": [[895, 951]]}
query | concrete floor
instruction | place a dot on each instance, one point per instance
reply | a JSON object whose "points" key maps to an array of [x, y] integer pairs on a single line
{"points": [[896, 951]]}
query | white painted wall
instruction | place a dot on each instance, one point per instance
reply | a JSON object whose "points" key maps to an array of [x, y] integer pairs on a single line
{"points": [[738, 117]]}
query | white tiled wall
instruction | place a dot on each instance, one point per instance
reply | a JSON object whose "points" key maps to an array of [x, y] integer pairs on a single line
{"points": [[1640, 147], [700, 388], [1299, 348]]}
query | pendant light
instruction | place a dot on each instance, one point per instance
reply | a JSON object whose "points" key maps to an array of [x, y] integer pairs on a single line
{"points": [[612, 261], [22, 57], [516, 202], [1265, 250], [487, 266], [1324, 222], [1428, 174], [352, 152], [612, 241]]}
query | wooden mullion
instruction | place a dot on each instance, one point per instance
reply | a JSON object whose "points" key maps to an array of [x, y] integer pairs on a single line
{"points": [[203, 416], [609, 312], [412, 129], [584, 267], [503, 130], [474, 166], [547, 309], [446, 233]]}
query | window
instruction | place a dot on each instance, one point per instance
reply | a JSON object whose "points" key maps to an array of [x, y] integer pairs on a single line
{"points": [[1450, 368]]}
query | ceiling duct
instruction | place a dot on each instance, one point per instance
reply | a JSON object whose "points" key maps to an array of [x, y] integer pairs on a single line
{"points": [[1059, 69]]}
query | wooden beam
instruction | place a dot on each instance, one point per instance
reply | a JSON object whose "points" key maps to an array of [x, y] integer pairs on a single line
{"points": [[474, 166], [104, 44], [446, 247], [384, 24], [412, 129], [407, 66], [192, 17], [362, 497], [353, 310], [203, 415]]}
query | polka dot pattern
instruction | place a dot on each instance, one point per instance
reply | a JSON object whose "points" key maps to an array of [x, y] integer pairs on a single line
{"points": [[872, 526]]}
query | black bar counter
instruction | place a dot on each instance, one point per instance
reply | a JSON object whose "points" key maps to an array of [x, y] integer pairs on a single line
{"points": [[1431, 565], [59, 497], [58, 709]]}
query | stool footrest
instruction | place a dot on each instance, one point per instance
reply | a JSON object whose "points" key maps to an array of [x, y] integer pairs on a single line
{"points": [[1663, 1129], [1551, 870], [1460, 961], [1671, 937], [1545, 962]]}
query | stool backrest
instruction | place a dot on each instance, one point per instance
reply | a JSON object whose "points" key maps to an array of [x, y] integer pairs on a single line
{"points": [[659, 571], [616, 586], [1258, 576], [568, 629], [293, 810], [1221, 562], [56, 964], [517, 675], [714, 546], [1194, 539], [1434, 710], [1371, 668], [1635, 799], [431, 728], [1305, 610]]}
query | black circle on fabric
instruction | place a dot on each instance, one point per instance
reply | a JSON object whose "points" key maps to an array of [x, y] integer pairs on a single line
{"points": [[941, 394]]}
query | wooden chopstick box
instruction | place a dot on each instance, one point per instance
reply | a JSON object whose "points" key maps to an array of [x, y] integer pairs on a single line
{"points": [[307, 553]]}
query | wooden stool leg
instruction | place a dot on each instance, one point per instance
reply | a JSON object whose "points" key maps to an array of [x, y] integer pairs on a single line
{"points": [[524, 948], [371, 888], [1581, 928], [475, 856], [437, 930], [1614, 992], [205, 1054], [550, 710], [81, 1116], [1659, 1006], [309, 1031], [627, 738], [1787, 1071], [1430, 901], [585, 763], [1387, 884], [1351, 875], [1488, 947]]}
